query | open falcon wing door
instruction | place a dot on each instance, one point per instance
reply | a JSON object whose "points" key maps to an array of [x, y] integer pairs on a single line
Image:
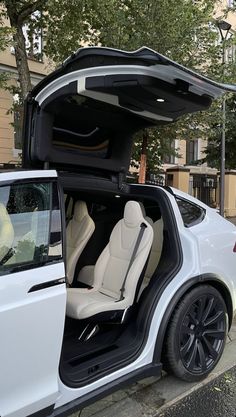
{"points": [[84, 114]]}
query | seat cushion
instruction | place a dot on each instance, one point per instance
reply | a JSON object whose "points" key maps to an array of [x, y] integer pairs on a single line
{"points": [[83, 303]]}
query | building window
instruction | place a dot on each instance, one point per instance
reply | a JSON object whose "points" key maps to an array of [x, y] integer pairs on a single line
{"points": [[169, 158], [18, 129], [230, 54], [17, 121], [191, 152]]}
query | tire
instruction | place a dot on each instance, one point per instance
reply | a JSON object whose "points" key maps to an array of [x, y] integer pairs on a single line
{"points": [[197, 334]]}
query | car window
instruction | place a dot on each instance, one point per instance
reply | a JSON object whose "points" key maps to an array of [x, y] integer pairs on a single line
{"points": [[191, 213], [30, 226]]}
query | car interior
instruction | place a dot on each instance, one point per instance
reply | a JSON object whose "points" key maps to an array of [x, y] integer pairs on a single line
{"points": [[108, 285]]}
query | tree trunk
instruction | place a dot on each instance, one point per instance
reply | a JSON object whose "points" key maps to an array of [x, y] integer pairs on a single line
{"points": [[17, 21], [143, 160], [21, 62]]}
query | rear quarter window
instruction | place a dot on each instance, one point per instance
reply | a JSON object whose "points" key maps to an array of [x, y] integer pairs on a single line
{"points": [[192, 214]]}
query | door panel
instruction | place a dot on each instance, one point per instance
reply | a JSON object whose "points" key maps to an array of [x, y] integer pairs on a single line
{"points": [[84, 114], [32, 296]]}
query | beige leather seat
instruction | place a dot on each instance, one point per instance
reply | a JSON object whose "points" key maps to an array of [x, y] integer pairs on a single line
{"points": [[6, 232], [86, 274], [155, 253], [149, 220], [156, 248], [78, 232], [111, 267]]}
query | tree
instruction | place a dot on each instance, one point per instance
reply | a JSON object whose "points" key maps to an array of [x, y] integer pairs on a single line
{"points": [[181, 30], [213, 148], [186, 32], [18, 12], [67, 27]]}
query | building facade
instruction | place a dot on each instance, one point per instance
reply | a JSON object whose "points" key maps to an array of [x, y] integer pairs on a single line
{"points": [[10, 129], [202, 181]]}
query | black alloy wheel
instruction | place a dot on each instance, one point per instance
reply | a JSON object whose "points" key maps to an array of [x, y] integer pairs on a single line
{"points": [[197, 334]]}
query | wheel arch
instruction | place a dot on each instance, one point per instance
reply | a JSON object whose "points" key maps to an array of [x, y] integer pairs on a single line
{"points": [[210, 279]]}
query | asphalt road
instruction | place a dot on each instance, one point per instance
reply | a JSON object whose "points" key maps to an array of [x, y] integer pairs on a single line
{"points": [[217, 399]]}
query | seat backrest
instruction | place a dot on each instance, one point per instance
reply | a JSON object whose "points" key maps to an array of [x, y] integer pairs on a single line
{"points": [[78, 232], [112, 265], [156, 248], [149, 220], [6, 232]]}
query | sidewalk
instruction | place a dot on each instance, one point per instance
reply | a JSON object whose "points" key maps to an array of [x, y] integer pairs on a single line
{"points": [[150, 397], [232, 220]]}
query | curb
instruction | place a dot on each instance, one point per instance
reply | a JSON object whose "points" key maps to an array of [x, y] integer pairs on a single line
{"points": [[195, 388]]}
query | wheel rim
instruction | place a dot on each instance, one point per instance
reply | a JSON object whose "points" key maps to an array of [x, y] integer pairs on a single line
{"points": [[202, 334]]}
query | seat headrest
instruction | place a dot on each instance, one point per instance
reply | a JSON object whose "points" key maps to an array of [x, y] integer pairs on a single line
{"points": [[133, 215], [80, 210]]}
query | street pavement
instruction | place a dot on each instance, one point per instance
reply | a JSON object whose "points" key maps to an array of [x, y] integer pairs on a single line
{"points": [[217, 399], [152, 397]]}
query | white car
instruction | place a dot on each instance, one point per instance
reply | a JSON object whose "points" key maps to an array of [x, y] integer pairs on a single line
{"points": [[104, 282]]}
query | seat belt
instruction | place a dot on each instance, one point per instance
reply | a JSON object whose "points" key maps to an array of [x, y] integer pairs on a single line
{"points": [[139, 238]]}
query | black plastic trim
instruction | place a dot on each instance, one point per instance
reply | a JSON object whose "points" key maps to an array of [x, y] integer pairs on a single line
{"points": [[63, 219], [47, 284], [27, 267], [199, 219], [138, 91], [45, 412], [4, 183], [73, 406], [175, 300]]}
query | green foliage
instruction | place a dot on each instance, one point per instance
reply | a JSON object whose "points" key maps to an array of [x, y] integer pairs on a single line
{"points": [[184, 30], [67, 27], [213, 148], [5, 33], [5, 39], [181, 30], [4, 76]]}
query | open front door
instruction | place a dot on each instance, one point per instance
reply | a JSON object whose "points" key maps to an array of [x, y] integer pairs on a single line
{"points": [[32, 292]]}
